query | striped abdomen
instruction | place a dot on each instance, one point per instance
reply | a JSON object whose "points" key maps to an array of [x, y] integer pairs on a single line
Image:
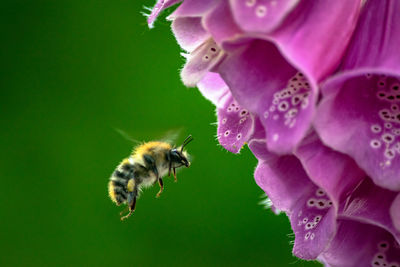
{"points": [[118, 185]]}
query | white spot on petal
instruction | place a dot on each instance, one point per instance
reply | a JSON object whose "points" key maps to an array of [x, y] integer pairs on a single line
{"points": [[292, 113], [381, 95], [383, 246], [307, 236], [375, 143], [395, 87], [389, 154], [227, 132], [250, 3], [309, 226], [304, 103], [317, 219], [388, 125], [321, 204], [283, 106], [387, 138], [261, 11], [244, 112], [376, 128], [311, 202], [320, 192], [275, 137]]}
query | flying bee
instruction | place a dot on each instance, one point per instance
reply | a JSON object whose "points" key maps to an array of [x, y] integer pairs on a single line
{"points": [[147, 164]]}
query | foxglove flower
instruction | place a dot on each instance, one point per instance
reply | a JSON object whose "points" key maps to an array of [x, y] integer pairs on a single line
{"points": [[314, 90], [359, 114], [271, 55]]}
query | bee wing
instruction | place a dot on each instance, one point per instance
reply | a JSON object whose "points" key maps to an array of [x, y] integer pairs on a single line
{"points": [[171, 136], [125, 135]]}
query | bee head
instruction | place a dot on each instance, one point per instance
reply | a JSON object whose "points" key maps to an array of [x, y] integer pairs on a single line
{"points": [[178, 156]]}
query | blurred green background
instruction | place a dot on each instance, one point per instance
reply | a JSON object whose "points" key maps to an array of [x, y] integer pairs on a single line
{"points": [[74, 71]]}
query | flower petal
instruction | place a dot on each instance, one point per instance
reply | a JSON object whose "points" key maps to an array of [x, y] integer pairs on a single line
{"points": [[260, 15], [193, 8], [371, 204], [158, 8], [315, 35], [200, 61], [189, 32], [395, 212], [235, 125], [359, 114], [357, 244], [335, 172], [214, 89], [313, 221], [281, 177], [287, 185], [265, 83], [221, 29], [377, 38]]}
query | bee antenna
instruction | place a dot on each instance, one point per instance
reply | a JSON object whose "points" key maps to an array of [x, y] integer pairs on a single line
{"points": [[186, 141]]}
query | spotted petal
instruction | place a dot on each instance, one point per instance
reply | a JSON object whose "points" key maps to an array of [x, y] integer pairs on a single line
{"points": [[260, 15], [360, 113], [235, 125], [313, 221], [310, 210], [279, 73], [200, 62], [358, 244], [266, 84]]}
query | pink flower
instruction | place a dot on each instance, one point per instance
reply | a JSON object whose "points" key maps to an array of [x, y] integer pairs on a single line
{"points": [[314, 89]]}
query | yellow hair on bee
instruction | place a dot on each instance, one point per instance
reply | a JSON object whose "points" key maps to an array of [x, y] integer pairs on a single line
{"points": [[131, 185], [111, 191], [142, 149]]}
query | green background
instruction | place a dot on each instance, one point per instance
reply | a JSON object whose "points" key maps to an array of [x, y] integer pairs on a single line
{"points": [[73, 72]]}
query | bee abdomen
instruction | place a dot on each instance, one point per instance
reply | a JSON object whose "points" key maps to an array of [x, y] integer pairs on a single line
{"points": [[117, 187]]}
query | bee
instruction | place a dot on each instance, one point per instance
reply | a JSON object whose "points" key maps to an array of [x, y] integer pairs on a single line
{"points": [[147, 164]]}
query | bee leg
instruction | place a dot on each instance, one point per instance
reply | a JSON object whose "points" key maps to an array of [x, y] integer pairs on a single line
{"points": [[132, 205], [176, 180], [124, 210], [160, 182], [132, 208]]}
